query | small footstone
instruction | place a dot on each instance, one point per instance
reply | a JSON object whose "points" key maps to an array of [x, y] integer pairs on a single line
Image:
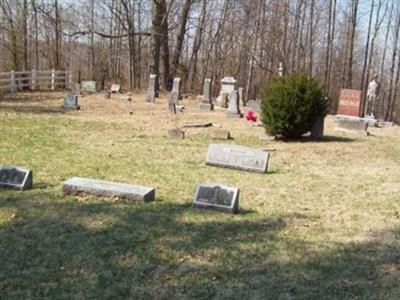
{"points": [[16, 177], [78, 185], [176, 134], [220, 134], [217, 196]]}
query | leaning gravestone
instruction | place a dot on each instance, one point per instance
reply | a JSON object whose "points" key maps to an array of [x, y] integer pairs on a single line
{"points": [[206, 104], [71, 102], [233, 108], [16, 177], [89, 86], [237, 157], [78, 185], [151, 90], [217, 196]]}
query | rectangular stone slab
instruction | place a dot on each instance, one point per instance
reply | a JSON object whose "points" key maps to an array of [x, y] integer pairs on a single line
{"points": [[78, 185], [217, 196], [351, 124], [16, 177], [237, 157]]}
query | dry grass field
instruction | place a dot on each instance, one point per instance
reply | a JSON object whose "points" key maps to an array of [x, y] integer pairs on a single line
{"points": [[323, 223]]}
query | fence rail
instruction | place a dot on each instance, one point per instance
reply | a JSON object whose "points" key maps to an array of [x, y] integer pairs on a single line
{"points": [[35, 80]]}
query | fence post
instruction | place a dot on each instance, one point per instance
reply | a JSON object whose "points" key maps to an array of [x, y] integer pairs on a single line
{"points": [[53, 76], [70, 80], [33, 80], [13, 83]]}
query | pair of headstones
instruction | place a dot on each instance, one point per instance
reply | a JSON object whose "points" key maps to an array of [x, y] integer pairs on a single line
{"points": [[221, 197]]}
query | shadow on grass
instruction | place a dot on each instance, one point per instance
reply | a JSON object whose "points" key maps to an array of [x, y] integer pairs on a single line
{"points": [[69, 250], [33, 109], [25, 97], [324, 139]]}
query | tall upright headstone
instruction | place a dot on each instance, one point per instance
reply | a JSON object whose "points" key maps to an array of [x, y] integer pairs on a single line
{"points": [[228, 84], [233, 108], [151, 91], [176, 88], [241, 100], [206, 104]]}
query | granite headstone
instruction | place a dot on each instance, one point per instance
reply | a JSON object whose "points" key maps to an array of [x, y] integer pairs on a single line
{"points": [[16, 177], [237, 157], [78, 185], [217, 197]]}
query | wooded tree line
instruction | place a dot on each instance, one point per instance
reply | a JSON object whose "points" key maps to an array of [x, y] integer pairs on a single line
{"points": [[343, 42]]}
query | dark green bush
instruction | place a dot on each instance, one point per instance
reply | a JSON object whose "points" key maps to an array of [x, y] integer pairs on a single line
{"points": [[291, 105]]}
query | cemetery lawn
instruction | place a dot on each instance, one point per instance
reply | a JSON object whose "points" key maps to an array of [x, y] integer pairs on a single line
{"points": [[324, 223]]}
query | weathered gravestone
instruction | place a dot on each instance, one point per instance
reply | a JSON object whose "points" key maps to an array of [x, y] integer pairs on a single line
{"points": [[233, 110], [206, 104], [228, 84], [220, 134], [16, 177], [217, 196], [151, 90], [76, 186], [115, 88], [349, 102], [89, 86], [349, 124], [255, 105], [176, 89], [240, 93], [71, 102], [237, 157]]}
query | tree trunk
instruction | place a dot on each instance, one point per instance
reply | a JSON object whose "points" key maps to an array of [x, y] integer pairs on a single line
{"points": [[180, 36]]}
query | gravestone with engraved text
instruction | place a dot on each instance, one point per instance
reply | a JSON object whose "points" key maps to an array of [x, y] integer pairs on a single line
{"points": [[217, 197], [237, 157], [16, 177]]}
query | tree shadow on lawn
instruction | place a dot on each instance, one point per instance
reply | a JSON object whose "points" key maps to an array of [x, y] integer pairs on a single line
{"points": [[324, 139], [33, 109], [26, 97], [69, 250]]}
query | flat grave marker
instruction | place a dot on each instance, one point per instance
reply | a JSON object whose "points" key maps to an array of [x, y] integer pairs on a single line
{"points": [[237, 157], [217, 197], [16, 177], [131, 192]]}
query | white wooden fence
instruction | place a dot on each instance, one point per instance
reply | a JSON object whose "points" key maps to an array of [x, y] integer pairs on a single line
{"points": [[35, 80]]}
